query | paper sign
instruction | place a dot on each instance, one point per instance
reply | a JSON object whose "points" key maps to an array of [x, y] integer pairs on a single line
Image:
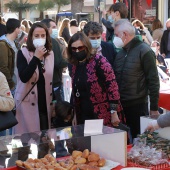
{"points": [[93, 127]]}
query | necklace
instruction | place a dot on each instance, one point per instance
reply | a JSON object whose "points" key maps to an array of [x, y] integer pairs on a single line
{"points": [[78, 79], [42, 65]]}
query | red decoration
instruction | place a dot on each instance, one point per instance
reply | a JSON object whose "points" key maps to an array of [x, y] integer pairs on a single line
{"points": [[114, 1], [149, 2]]}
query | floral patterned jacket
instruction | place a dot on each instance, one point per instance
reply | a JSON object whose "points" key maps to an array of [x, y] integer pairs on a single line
{"points": [[103, 88]]}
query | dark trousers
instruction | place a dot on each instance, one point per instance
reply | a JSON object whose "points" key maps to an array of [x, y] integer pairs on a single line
{"points": [[133, 114]]}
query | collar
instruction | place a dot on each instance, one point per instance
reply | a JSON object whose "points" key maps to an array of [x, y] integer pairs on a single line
{"points": [[131, 44]]}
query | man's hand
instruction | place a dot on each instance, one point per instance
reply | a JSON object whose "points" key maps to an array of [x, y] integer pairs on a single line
{"points": [[154, 113], [152, 126], [115, 119]]}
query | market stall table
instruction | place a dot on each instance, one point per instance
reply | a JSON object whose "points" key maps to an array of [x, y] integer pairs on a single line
{"points": [[164, 98]]}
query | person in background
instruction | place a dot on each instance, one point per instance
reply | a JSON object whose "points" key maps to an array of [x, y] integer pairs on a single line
{"points": [[73, 26], [59, 62], [64, 30], [165, 41], [94, 30], [140, 26], [137, 76], [162, 122], [94, 89], [155, 46], [26, 24], [9, 51], [2, 27], [82, 24], [35, 64], [6, 99], [108, 24], [157, 30]]}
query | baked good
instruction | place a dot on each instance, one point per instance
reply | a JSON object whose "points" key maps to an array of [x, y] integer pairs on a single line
{"points": [[74, 167], [85, 153], [76, 154], [93, 163], [80, 160], [19, 163], [93, 157], [101, 162]]}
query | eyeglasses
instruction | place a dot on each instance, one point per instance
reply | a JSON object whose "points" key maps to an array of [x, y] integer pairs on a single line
{"points": [[80, 48]]}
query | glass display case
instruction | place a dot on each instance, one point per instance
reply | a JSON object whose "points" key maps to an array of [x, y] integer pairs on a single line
{"points": [[110, 144]]}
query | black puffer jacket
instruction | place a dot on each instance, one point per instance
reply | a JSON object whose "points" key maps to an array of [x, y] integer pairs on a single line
{"points": [[136, 74]]}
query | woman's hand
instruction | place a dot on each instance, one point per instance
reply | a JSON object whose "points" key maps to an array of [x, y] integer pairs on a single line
{"points": [[40, 51], [115, 119], [74, 121]]}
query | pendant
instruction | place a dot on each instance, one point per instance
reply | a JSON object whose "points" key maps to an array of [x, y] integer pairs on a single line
{"points": [[77, 93]]}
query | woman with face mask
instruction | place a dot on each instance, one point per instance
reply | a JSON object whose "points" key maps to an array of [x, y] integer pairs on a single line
{"points": [[33, 95], [94, 88]]}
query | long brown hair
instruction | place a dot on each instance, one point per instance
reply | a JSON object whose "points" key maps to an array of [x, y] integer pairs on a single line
{"points": [[48, 44], [156, 24], [82, 37]]}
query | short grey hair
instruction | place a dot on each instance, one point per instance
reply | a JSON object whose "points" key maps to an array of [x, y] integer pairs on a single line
{"points": [[125, 25]]}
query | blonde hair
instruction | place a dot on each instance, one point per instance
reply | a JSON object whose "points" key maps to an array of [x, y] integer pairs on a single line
{"points": [[138, 23], [80, 24], [26, 24], [65, 23]]}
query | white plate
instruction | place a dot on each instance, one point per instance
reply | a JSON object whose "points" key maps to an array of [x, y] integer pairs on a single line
{"points": [[109, 165], [134, 168]]}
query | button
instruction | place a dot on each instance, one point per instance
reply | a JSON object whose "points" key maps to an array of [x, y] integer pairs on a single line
{"points": [[32, 83], [50, 83], [32, 92], [51, 103], [33, 104]]}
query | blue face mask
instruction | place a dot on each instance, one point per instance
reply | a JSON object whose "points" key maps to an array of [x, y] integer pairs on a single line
{"points": [[110, 19], [54, 33], [95, 43]]}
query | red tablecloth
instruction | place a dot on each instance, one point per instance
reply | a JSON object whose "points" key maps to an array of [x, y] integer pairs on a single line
{"points": [[164, 100]]}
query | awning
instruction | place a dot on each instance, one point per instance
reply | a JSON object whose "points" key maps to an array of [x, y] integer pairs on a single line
{"points": [[64, 14]]}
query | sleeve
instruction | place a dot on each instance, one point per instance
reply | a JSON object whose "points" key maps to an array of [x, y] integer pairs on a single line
{"points": [[6, 99], [164, 120], [148, 35], [66, 34], [107, 24], [26, 70], [152, 79], [59, 61], [162, 45], [107, 78], [4, 64]]}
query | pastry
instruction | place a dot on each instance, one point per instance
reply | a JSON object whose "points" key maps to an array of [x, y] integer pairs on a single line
{"points": [[93, 157], [101, 162], [76, 154], [80, 160], [85, 153], [93, 163]]}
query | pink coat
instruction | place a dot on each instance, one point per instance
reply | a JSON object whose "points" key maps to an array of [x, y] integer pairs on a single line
{"points": [[27, 112]]}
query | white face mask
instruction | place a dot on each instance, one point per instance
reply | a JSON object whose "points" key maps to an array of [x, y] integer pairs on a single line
{"points": [[154, 49], [117, 41], [54, 33], [95, 43], [39, 42]]}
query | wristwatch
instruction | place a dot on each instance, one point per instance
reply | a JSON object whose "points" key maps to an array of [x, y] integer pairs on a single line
{"points": [[113, 111]]}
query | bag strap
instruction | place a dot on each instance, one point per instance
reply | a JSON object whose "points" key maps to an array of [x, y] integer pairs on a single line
{"points": [[26, 94]]}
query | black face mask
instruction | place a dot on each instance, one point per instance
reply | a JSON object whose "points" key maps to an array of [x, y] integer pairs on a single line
{"points": [[168, 28], [80, 56]]}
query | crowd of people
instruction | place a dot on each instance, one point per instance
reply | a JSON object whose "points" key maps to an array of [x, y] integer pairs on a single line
{"points": [[114, 80]]}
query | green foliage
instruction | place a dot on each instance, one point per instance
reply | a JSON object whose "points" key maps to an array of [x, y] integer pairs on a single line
{"points": [[62, 2], [16, 6], [45, 4]]}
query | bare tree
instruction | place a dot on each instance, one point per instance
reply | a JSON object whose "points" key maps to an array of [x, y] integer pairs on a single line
{"points": [[76, 6]]}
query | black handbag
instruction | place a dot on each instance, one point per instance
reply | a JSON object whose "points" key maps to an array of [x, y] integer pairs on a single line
{"points": [[7, 120]]}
